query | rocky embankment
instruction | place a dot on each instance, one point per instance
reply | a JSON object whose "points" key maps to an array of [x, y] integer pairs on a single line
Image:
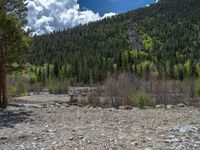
{"points": [[50, 125]]}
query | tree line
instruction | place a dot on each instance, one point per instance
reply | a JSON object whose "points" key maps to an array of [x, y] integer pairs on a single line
{"points": [[164, 35]]}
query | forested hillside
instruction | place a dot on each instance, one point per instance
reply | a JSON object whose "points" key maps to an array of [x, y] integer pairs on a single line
{"points": [[163, 38]]}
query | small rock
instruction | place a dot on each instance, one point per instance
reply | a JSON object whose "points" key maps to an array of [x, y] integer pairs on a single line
{"points": [[170, 106], [188, 129], [196, 145], [35, 138], [160, 106], [89, 141], [175, 140], [181, 105], [149, 139], [171, 136], [71, 138], [135, 143], [168, 141], [184, 139], [22, 147], [111, 109], [87, 106], [53, 143], [125, 107], [80, 137], [59, 105], [31, 106], [197, 142], [3, 138], [180, 147]]}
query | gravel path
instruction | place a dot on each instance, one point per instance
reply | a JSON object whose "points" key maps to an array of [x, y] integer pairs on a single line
{"points": [[63, 127]]}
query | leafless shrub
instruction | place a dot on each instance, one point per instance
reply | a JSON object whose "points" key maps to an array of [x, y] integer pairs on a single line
{"points": [[122, 90], [118, 88], [168, 91]]}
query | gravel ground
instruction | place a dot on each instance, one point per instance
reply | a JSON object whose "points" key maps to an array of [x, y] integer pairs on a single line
{"points": [[54, 126]]}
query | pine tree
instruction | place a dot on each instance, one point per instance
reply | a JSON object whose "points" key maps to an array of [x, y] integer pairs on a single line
{"points": [[13, 39]]}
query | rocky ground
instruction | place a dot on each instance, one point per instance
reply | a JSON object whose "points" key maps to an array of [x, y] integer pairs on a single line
{"points": [[44, 123]]}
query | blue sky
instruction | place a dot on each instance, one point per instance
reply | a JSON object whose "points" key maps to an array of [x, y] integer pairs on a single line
{"points": [[45, 16], [117, 6]]}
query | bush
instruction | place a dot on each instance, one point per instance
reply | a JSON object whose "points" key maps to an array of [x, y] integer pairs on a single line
{"points": [[198, 88], [58, 87], [17, 86], [119, 87], [142, 99]]}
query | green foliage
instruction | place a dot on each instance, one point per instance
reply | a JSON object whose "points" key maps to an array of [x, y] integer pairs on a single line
{"points": [[147, 41], [12, 35], [17, 86], [165, 35], [142, 99]]}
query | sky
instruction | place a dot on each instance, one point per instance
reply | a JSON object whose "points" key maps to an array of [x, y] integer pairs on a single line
{"points": [[117, 6], [45, 16]]}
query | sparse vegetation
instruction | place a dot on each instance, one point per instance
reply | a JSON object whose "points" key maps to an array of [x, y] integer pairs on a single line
{"points": [[142, 99], [58, 87]]}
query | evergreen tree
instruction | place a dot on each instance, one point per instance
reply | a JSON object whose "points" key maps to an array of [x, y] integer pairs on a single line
{"points": [[13, 39]]}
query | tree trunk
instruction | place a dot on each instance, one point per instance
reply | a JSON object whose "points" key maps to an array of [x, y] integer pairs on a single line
{"points": [[1, 62], [3, 90]]}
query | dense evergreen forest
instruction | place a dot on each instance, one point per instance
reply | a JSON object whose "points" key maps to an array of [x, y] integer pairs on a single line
{"points": [[163, 39]]}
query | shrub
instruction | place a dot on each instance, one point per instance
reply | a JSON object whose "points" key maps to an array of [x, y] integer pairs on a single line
{"points": [[198, 88], [17, 86], [142, 99], [118, 88], [93, 99], [58, 87]]}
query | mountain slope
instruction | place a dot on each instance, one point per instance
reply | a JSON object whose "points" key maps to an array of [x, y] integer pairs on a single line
{"points": [[164, 37]]}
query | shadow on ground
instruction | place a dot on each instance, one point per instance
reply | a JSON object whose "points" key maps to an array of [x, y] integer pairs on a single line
{"points": [[9, 118]]}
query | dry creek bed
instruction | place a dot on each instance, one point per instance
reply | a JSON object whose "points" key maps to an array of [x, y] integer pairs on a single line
{"points": [[48, 123]]}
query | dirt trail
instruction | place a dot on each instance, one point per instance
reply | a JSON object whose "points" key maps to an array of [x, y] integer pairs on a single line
{"points": [[45, 124]]}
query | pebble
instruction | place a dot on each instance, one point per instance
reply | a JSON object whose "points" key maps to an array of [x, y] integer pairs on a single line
{"points": [[105, 129]]}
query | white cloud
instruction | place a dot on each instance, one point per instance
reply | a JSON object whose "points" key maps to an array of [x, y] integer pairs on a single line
{"points": [[109, 15], [45, 16]]}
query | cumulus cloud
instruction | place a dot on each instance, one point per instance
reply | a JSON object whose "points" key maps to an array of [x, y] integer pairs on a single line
{"points": [[45, 16]]}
